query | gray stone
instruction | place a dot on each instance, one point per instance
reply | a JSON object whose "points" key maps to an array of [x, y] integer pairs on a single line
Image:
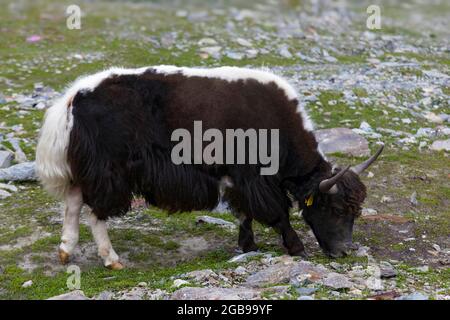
{"points": [[425, 132], [4, 194], [105, 295], [336, 266], [430, 116], [413, 199], [217, 221], [305, 291], [19, 172], [179, 282], [213, 51], [337, 281], [277, 273], [72, 295], [284, 52], [18, 154], [207, 42], [244, 42], [235, 55], [439, 145], [362, 251], [342, 140], [277, 291], [222, 207], [201, 275], [251, 53], [190, 293], [6, 159], [365, 127], [387, 270], [423, 268], [436, 247], [368, 212], [414, 296], [8, 187], [240, 270], [305, 272], [136, 293], [244, 257], [305, 298], [158, 294]]}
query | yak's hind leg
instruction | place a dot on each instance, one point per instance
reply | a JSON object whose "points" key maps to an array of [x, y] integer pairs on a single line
{"points": [[246, 237], [105, 249], [71, 225]]}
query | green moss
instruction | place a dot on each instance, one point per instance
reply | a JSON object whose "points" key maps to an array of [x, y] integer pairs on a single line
{"points": [[7, 236]]}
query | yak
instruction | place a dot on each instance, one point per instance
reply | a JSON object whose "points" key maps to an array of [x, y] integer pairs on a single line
{"points": [[108, 138]]}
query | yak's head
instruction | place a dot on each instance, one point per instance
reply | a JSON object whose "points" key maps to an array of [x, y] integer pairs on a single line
{"points": [[332, 209]]}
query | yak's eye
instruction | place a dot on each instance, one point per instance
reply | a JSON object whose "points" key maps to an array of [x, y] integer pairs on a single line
{"points": [[339, 210]]}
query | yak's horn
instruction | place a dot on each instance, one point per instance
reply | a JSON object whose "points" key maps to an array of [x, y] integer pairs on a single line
{"points": [[329, 185], [358, 169]]}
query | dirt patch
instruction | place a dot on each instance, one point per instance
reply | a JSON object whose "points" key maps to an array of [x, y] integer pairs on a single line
{"points": [[386, 217]]}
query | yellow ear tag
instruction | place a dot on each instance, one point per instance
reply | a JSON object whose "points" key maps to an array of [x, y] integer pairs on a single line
{"points": [[309, 201]]}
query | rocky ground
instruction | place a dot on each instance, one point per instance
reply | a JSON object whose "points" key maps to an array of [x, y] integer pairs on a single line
{"points": [[360, 86]]}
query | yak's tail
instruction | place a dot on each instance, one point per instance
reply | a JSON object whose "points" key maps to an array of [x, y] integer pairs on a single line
{"points": [[52, 166]]}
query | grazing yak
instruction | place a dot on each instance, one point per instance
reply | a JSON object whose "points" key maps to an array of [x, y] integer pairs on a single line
{"points": [[109, 138]]}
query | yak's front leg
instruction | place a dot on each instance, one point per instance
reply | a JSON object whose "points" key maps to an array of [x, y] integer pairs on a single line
{"points": [[105, 249], [71, 224], [291, 241]]}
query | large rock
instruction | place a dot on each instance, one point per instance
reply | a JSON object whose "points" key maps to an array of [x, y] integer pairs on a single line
{"points": [[337, 281], [72, 295], [190, 293], [277, 273], [342, 140], [19, 172], [6, 158]]}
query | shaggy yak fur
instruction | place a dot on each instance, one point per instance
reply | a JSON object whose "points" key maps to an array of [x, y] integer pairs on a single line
{"points": [[120, 147]]}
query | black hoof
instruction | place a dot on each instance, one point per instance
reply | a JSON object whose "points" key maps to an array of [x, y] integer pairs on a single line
{"points": [[299, 253], [249, 248]]}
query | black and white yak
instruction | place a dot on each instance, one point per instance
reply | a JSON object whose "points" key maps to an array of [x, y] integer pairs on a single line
{"points": [[109, 138]]}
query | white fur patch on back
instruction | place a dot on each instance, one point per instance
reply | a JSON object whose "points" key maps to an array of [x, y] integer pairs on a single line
{"points": [[237, 73]]}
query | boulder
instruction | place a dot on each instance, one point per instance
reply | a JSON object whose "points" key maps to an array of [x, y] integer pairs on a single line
{"points": [[342, 140]]}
